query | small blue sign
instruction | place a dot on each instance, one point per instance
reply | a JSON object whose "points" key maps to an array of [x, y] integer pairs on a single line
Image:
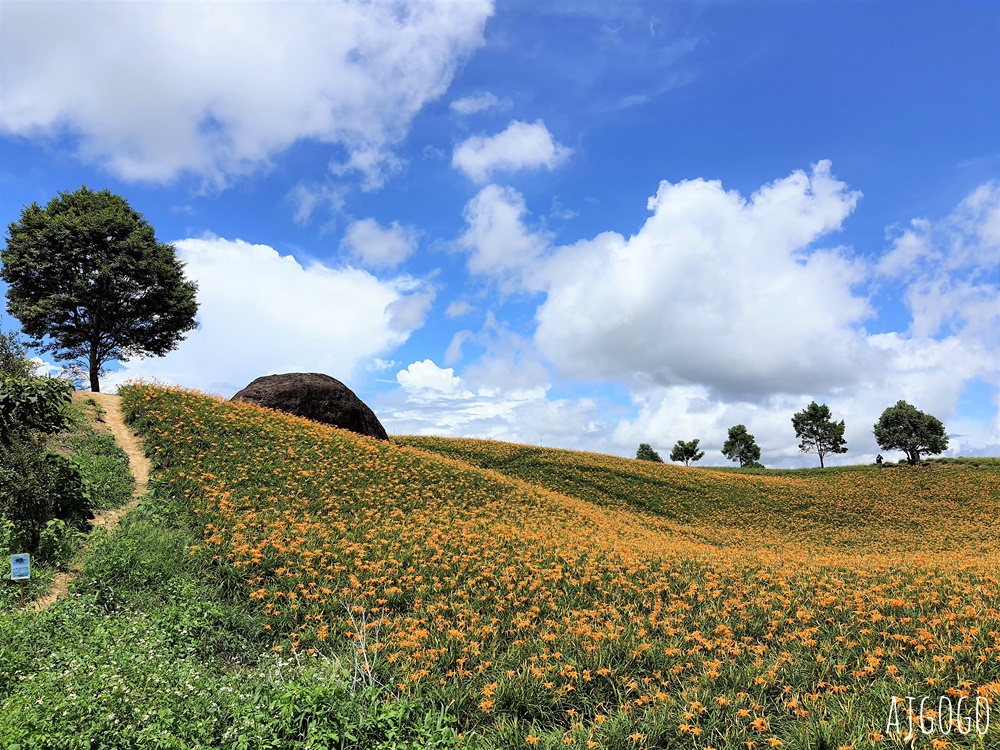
{"points": [[20, 567]]}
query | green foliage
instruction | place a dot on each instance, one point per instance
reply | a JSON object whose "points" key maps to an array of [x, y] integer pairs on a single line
{"points": [[104, 468], [646, 453], [817, 431], [741, 446], [12, 540], [32, 404], [37, 486], [687, 452], [180, 664], [57, 542], [91, 284], [14, 362], [903, 427]]}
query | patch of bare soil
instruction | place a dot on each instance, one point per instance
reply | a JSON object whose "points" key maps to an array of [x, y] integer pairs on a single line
{"points": [[106, 519]]}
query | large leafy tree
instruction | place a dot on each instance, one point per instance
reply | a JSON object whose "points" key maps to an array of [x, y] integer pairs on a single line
{"points": [[905, 428], [817, 432], [91, 284], [646, 453], [686, 452], [741, 446]]}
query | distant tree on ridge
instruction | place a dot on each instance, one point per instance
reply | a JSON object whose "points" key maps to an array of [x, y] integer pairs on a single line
{"points": [[646, 453], [686, 452], [741, 446], [905, 428], [817, 431]]}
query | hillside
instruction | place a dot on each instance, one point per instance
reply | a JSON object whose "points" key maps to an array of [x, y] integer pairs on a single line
{"points": [[941, 507], [559, 599]]}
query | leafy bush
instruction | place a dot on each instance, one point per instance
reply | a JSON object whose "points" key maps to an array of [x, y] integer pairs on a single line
{"points": [[57, 542], [32, 404], [14, 362], [36, 487], [12, 540]]}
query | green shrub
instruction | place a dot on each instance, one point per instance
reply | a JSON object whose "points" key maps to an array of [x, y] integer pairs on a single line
{"points": [[57, 543], [32, 404], [37, 486], [12, 541]]}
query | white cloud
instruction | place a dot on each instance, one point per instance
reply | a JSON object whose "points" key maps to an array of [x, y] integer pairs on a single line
{"points": [[951, 268], [156, 89], [425, 381], [470, 105], [499, 242], [459, 308], [454, 351], [949, 271], [307, 198], [721, 310], [262, 313], [714, 290], [409, 312], [520, 146], [42, 368], [377, 246], [435, 401], [380, 365]]}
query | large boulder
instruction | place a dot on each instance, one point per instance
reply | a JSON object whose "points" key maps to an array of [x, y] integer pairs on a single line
{"points": [[317, 397]]}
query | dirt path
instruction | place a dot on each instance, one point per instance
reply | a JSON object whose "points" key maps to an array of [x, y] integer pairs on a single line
{"points": [[106, 519]]}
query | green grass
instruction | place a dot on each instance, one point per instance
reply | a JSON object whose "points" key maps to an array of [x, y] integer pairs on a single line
{"points": [[158, 647], [155, 648], [152, 650], [937, 506], [108, 481]]}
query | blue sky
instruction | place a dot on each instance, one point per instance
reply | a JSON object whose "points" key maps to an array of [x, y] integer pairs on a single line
{"points": [[580, 224]]}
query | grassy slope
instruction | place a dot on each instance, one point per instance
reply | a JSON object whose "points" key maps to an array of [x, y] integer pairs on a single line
{"points": [[564, 617], [151, 649], [106, 475], [945, 506], [540, 614]]}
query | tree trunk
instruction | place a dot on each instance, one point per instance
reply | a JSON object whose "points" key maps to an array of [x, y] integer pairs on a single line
{"points": [[95, 368], [821, 460]]}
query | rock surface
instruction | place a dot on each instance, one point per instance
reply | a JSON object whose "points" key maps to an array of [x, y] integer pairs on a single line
{"points": [[317, 397]]}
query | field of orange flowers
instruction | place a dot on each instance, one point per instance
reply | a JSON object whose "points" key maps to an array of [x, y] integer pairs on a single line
{"points": [[576, 600]]}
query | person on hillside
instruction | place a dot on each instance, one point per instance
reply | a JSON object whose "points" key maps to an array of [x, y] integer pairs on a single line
{"points": [[878, 461]]}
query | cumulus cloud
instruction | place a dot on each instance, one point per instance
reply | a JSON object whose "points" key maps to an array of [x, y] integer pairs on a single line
{"points": [[155, 89], [425, 381], [377, 246], [520, 146], [433, 400], [261, 313], [498, 240], [716, 290], [950, 268], [723, 310], [470, 105]]}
